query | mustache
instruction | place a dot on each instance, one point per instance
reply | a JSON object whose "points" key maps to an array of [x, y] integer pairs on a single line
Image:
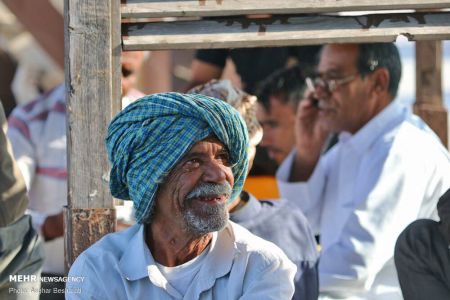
{"points": [[210, 189]]}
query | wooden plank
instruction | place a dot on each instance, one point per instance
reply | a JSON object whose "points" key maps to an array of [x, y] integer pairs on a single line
{"points": [[91, 82], [284, 30], [429, 72], [44, 23], [429, 102], [202, 8]]}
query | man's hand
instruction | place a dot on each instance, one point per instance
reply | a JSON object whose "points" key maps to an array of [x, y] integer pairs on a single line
{"points": [[53, 227], [310, 137]]}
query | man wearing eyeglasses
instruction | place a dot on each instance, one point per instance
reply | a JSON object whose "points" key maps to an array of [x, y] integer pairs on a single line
{"points": [[387, 170]]}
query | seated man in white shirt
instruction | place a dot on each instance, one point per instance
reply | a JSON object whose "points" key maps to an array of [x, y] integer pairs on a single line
{"points": [[387, 169], [181, 159]]}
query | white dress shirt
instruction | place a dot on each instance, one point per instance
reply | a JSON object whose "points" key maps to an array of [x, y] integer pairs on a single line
{"points": [[239, 265], [363, 193]]}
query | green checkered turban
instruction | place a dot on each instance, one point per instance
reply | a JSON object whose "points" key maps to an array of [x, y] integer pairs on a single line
{"points": [[147, 139]]}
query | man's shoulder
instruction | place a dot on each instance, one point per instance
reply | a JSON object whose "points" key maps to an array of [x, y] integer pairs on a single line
{"points": [[277, 210], [252, 245], [256, 257], [39, 108], [405, 138], [291, 216], [415, 137], [286, 226]]}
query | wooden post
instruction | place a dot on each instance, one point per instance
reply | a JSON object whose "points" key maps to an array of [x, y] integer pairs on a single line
{"points": [[429, 105], [92, 77]]}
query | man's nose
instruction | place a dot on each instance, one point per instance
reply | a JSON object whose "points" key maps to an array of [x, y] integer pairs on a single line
{"points": [[214, 172]]}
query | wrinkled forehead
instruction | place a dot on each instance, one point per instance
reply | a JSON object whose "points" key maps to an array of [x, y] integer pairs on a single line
{"points": [[338, 57], [210, 143]]}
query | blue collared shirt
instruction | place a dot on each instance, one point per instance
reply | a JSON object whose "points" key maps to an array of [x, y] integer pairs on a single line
{"points": [[238, 266]]}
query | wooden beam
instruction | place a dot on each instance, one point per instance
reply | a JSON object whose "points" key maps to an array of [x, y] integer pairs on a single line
{"points": [[202, 8], [44, 23], [429, 102], [92, 91], [240, 32]]}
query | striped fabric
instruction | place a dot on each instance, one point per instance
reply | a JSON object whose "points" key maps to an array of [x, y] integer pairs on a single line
{"points": [[151, 135], [37, 132]]}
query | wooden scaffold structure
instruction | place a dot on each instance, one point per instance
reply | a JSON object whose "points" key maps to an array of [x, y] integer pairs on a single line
{"points": [[97, 31]]}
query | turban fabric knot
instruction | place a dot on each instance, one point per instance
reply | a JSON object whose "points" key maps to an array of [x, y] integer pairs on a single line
{"points": [[148, 138]]}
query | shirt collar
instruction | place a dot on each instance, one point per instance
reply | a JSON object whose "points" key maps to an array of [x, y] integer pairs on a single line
{"points": [[247, 212], [135, 259], [217, 264], [390, 116]]}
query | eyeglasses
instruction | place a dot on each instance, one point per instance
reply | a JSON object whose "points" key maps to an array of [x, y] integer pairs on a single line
{"points": [[330, 85]]}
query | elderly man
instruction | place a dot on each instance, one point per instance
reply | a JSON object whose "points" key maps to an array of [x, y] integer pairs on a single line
{"points": [[181, 159], [387, 169]]}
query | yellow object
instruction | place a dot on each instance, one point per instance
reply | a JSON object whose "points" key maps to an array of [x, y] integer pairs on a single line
{"points": [[262, 187]]}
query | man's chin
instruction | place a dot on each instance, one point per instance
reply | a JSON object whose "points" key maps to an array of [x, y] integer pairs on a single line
{"points": [[210, 218]]}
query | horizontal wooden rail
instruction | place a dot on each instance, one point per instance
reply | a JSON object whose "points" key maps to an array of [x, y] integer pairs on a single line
{"points": [[234, 32], [203, 8]]}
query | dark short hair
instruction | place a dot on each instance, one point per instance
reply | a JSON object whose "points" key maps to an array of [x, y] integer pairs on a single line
{"points": [[381, 55], [287, 84]]}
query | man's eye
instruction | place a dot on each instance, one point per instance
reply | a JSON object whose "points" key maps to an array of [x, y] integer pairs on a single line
{"points": [[192, 163], [332, 76], [224, 158]]}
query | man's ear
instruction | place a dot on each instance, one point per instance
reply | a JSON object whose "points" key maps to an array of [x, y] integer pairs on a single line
{"points": [[381, 80]]}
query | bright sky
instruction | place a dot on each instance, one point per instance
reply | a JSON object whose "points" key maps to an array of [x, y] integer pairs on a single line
{"points": [[408, 81]]}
